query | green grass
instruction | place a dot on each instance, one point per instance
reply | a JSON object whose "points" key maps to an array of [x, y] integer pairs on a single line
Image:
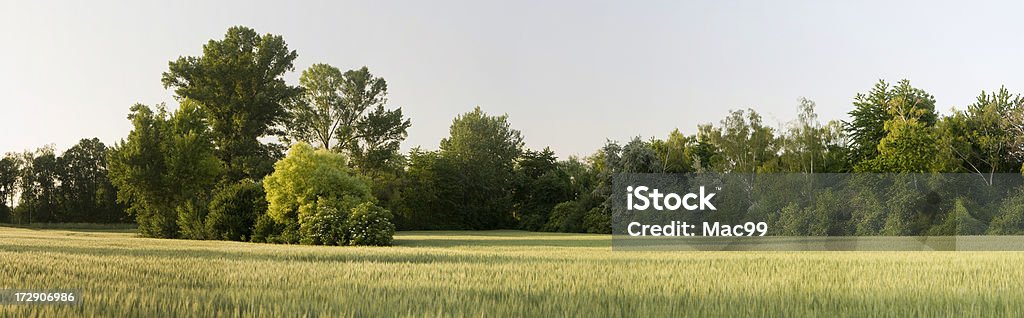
{"points": [[499, 273]]}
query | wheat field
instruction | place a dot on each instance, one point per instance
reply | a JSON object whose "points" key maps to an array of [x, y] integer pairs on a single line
{"points": [[492, 273]]}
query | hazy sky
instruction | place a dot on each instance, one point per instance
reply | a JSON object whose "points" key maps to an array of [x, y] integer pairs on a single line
{"points": [[570, 74]]}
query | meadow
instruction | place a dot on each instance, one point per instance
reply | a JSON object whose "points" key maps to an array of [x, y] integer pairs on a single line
{"points": [[491, 273]]}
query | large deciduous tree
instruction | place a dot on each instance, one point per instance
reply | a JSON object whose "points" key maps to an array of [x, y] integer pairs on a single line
{"points": [[485, 149], [86, 193], [165, 169], [743, 142], [345, 112], [883, 103], [10, 168], [39, 200], [239, 81], [983, 136]]}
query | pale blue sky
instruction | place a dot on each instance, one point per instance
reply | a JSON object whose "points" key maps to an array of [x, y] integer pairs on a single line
{"points": [[570, 74]]}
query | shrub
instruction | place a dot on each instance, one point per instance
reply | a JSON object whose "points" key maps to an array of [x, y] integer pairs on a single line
{"points": [[959, 222], [325, 225], [312, 193], [265, 229], [597, 220], [1010, 218], [566, 217], [370, 224], [234, 210], [190, 221]]}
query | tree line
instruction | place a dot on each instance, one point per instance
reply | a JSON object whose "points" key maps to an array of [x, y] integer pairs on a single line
{"points": [[247, 156]]}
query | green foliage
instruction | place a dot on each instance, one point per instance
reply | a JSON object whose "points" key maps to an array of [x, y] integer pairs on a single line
{"points": [[318, 112], [380, 135], [566, 217], [743, 142], [908, 146], [345, 113], [86, 193], [539, 186], [239, 80], [809, 147], [902, 206], [314, 192], [422, 207], [868, 213], [1010, 218], [475, 169], [360, 91], [191, 220], [39, 196], [324, 224], [793, 220], [982, 136], [676, 153], [306, 175], [883, 103], [10, 170], [166, 161], [234, 209], [370, 225], [959, 222]]}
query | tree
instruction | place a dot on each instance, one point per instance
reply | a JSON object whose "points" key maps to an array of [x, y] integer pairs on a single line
{"points": [[982, 135], [239, 81], [317, 114], [314, 192], [883, 103], [165, 167], [422, 205], [676, 153], [361, 91], [539, 186], [346, 113], [1010, 218], [909, 145], [39, 200], [380, 133], [86, 193], [637, 156], [478, 161], [810, 147], [9, 176], [743, 142]]}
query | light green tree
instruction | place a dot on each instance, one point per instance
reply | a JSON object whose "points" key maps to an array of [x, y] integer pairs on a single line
{"points": [[883, 103], [314, 192]]}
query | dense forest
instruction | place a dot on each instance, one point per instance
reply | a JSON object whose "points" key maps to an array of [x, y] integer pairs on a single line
{"points": [[247, 156]]}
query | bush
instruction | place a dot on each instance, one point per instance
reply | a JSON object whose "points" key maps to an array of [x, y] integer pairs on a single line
{"points": [[325, 225], [959, 222], [265, 229], [597, 220], [566, 217], [234, 210], [190, 221], [370, 225], [793, 220], [1010, 218], [312, 193]]}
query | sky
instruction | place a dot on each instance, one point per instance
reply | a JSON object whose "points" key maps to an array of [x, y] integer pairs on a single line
{"points": [[569, 74]]}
